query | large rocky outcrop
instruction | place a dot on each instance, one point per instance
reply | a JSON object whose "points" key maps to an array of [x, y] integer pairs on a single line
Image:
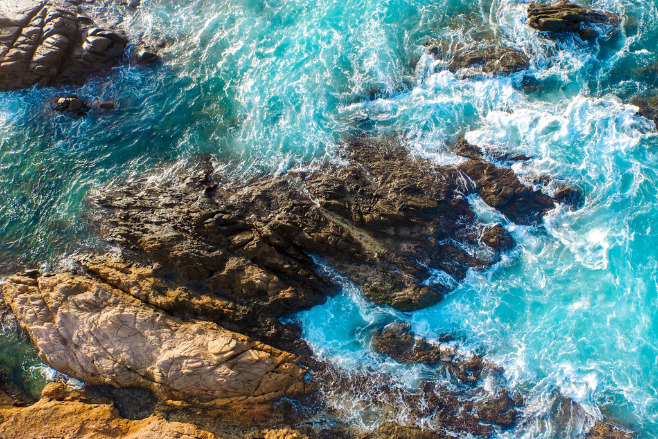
{"points": [[199, 261], [565, 16], [47, 42], [245, 256], [101, 335]]}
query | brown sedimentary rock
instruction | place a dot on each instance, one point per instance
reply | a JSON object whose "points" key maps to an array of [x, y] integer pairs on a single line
{"points": [[565, 16], [484, 58], [240, 255], [76, 413], [49, 43], [101, 335], [605, 430]]}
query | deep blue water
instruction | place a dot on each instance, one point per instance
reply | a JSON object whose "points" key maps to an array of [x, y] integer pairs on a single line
{"points": [[263, 87]]}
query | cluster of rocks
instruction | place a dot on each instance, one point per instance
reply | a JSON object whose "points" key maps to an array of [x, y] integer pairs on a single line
{"points": [[188, 303], [491, 56], [190, 306], [397, 341]]}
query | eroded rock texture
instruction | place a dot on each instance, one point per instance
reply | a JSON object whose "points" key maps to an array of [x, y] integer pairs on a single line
{"points": [[242, 256], [199, 261], [100, 335], [75, 413], [565, 16], [487, 58], [397, 341], [48, 43]]}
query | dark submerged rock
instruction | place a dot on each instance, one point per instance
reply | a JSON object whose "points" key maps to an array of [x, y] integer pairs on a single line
{"points": [[72, 105], [397, 341], [495, 59], [565, 16]]}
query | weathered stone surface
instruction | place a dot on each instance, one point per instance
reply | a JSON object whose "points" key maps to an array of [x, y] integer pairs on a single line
{"points": [[97, 333], [397, 341], [565, 16], [605, 430], [487, 58], [50, 43], [66, 413], [240, 255]]}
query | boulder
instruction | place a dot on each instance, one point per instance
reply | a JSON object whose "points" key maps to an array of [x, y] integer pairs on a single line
{"points": [[398, 342], [647, 107], [49, 43], [96, 333], [565, 16], [72, 105], [484, 58]]}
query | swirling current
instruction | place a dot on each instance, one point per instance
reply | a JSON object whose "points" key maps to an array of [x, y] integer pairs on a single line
{"points": [[265, 87]]}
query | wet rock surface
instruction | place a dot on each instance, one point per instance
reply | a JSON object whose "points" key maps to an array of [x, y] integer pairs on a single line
{"points": [[240, 255], [71, 105], [565, 16], [604, 430], [647, 107], [201, 270], [397, 341], [49, 43], [488, 59]]}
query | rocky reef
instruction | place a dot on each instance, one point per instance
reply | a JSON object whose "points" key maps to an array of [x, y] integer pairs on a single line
{"points": [[565, 16], [186, 298], [50, 43]]}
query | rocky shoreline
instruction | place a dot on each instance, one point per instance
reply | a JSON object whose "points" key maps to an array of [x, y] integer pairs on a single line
{"points": [[182, 307]]}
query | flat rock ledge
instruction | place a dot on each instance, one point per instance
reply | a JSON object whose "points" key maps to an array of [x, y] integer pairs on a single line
{"points": [[50, 43], [101, 335], [565, 16]]}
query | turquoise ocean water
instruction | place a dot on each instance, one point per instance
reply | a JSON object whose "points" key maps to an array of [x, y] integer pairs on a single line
{"points": [[264, 87]]}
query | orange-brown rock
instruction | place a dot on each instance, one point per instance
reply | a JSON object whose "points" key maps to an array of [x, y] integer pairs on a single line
{"points": [[63, 412], [99, 334]]}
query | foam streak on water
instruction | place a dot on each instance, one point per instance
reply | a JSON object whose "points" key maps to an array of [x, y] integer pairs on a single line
{"points": [[264, 87]]}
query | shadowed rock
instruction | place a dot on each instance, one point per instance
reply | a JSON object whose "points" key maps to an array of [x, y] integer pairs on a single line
{"points": [[49, 43], [397, 341], [565, 16], [647, 108], [240, 255]]}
